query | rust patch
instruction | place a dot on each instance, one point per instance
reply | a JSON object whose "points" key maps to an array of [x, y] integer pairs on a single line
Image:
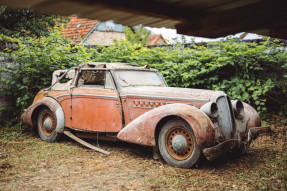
{"points": [[49, 102], [142, 129], [179, 155]]}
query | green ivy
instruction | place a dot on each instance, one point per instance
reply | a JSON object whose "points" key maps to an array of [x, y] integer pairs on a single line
{"points": [[245, 71], [4, 38], [36, 64]]}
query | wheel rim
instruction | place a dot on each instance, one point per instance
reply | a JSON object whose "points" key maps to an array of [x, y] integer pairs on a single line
{"points": [[48, 124], [179, 143]]}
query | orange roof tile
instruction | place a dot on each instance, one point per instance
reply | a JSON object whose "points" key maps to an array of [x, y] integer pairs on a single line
{"points": [[152, 39], [78, 28]]}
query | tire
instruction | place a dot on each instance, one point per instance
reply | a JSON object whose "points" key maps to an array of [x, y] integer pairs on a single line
{"points": [[47, 125], [177, 144]]}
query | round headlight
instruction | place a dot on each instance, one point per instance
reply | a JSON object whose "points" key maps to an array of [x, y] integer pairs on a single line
{"points": [[210, 109], [238, 108]]}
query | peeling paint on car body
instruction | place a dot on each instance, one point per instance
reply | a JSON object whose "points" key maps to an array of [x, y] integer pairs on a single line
{"points": [[142, 129], [99, 99], [30, 115]]}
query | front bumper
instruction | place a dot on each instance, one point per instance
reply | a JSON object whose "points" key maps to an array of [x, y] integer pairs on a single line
{"points": [[214, 152]]}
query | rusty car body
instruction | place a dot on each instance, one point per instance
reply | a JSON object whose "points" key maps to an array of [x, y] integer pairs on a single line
{"points": [[134, 104]]}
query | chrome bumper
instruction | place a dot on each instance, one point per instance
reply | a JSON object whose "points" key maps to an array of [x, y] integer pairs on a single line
{"points": [[232, 144]]}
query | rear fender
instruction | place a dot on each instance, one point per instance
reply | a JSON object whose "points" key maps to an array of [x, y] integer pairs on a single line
{"points": [[142, 130], [29, 117]]}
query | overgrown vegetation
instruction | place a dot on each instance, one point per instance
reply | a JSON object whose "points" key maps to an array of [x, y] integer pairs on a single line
{"points": [[30, 163], [26, 22], [249, 72], [36, 65], [246, 71]]}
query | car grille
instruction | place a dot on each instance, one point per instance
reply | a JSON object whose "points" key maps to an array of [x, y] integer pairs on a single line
{"points": [[225, 116]]}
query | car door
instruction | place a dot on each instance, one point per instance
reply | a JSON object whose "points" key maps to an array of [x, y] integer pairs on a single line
{"points": [[95, 103]]}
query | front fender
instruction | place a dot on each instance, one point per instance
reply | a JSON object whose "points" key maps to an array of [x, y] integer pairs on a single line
{"points": [[30, 115], [251, 116], [142, 129]]}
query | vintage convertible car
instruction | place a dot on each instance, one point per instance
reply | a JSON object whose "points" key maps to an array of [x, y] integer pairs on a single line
{"points": [[134, 104]]}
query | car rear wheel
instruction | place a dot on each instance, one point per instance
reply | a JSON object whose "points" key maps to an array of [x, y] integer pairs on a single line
{"points": [[177, 144], [47, 125]]}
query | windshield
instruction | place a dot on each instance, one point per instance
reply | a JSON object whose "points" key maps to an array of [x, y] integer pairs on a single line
{"points": [[138, 78]]}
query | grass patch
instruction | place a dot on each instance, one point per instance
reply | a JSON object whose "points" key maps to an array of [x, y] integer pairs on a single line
{"points": [[37, 165]]}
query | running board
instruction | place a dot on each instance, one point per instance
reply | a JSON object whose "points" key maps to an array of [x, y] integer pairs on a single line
{"points": [[81, 141]]}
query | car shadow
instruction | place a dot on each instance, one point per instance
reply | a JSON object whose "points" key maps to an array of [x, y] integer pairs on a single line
{"points": [[146, 152]]}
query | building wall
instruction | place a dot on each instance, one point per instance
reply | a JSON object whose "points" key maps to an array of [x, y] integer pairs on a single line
{"points": [[104, 38], [160, 42]]}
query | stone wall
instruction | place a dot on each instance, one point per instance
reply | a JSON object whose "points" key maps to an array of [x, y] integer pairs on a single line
{"points": [[5, 63], [104, 38]]}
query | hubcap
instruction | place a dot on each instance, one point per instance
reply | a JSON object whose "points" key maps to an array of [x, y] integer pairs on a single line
{"points": [[179, 143], [48, 124]]}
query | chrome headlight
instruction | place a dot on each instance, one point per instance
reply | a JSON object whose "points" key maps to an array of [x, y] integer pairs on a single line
{"points": [[210, 109], [238, 108]]}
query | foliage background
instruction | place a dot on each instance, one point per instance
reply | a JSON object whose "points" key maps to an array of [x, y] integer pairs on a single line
{"points": [[26, 22], [254, 73]]}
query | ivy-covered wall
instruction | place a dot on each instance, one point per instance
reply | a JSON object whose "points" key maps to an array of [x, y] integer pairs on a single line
{"points": [[5, 64], [4, 100], [254, 73]]}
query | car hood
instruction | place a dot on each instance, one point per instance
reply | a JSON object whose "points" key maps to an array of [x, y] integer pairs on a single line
{"points": [[169, 92]]}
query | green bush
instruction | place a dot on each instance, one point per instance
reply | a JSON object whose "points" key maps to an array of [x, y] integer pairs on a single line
{"points": [[245, 71], [36, 65]]}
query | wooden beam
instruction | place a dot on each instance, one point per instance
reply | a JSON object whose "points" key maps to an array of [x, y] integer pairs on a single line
{"points": [[153, 8], [86, 144], [262, 15], [278, 33]]}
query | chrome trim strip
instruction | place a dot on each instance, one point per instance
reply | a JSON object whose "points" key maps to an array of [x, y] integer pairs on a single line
{"points": [[161, 97], [89, 95]]}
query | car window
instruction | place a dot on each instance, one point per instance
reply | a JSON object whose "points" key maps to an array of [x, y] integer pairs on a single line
{"points": [[128, 78], [60, 82], [96, 79], [92, 79], [109, 84]]}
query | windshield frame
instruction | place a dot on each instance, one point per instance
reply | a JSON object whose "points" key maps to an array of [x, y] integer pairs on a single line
{"points": [[116, 80]]}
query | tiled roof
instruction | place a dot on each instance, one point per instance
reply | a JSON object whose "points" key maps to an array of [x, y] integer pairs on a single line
{"points": [[78, 28], [152, 39]]}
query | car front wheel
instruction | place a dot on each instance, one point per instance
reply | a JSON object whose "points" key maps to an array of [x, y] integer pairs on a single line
{"points": [[177, 144], [47, 125]]}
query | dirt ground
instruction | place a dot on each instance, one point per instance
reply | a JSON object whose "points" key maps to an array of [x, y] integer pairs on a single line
{"points": [[28, 163]]}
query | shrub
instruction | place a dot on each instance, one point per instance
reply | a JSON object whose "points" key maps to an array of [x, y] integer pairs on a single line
{"points": [[36, 64], [245, 71]]}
